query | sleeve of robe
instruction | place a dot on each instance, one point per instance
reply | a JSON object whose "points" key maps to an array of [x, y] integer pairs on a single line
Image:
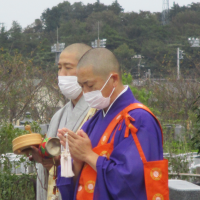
{"points": [[122, 177]]}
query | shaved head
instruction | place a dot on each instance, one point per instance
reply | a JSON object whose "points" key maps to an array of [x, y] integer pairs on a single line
{"points": [[79, 49], [70, 57], [102, 61]]}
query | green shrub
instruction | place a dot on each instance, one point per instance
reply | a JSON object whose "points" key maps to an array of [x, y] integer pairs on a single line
{"points": [[141, 94], [14, 187], [7, 134]]}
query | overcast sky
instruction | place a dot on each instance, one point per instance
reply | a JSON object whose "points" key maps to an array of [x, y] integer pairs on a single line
{"points": [[26, 11]]}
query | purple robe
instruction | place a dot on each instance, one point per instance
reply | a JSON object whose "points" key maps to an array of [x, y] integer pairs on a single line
{"points": [[122, 177]]}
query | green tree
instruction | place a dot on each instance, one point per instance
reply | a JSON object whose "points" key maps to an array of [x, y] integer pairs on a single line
{"points": [[25, 87], [124, 55], [116, 7], [50, 19], [15, 36], [4, 38]]}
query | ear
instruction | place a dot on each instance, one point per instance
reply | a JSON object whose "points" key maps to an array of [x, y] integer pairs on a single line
{"points": [[116, 79]]}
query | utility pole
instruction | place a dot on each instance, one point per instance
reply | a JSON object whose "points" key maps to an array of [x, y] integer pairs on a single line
{"points": [[140, 58], [99, 43], [179, 57], [139, 65], [98, 30], [57, 34], [178, 65], [57, 48]]}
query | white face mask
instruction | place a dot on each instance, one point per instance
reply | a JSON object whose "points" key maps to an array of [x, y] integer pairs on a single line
{"points": [[95, 99], [69, 86]]}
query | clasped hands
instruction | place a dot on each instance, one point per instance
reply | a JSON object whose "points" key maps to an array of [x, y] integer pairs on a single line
{"points": [[80, 146]]}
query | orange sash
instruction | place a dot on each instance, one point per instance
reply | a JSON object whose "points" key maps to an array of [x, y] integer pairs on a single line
{"points": [[155, 172]]}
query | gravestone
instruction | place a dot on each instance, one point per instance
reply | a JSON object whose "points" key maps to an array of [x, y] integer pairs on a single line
{"points": [[198, 169], [183, 190], [179, 131]]}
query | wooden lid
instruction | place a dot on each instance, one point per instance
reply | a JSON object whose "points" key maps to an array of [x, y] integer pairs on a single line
{"points": [[22, 143]]}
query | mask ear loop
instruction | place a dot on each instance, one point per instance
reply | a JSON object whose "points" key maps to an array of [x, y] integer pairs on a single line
{"points": [[112, 92], [106, 82]]}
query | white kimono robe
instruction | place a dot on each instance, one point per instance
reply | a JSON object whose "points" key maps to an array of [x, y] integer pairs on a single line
{"points": [[70, 118]]}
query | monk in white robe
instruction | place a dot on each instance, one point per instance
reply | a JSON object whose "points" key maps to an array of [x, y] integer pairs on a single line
{"points": [[71, 115]]}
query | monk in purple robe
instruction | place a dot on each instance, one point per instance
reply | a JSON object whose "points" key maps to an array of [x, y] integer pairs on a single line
{"points": [[121, 177]]}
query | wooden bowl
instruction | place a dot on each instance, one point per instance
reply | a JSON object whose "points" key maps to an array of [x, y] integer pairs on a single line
{"points": [[21, 144]]}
